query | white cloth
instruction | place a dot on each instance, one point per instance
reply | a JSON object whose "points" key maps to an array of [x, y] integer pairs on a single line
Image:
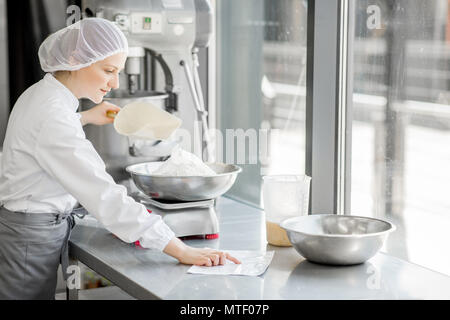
{"points": [[48, 164], [81, 44], [253, 263]]}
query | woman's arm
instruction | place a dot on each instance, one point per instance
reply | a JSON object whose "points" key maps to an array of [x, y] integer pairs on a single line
{"points": [[63, 151], [65, 154]]}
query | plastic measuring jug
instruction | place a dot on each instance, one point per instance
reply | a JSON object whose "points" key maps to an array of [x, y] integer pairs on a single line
{"points": [[284, 196], [143, 120]]}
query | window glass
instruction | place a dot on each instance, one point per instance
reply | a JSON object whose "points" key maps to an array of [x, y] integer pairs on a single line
{"points": [[401, 124], [261, 67]]}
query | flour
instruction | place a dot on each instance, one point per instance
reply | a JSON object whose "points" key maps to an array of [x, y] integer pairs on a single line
{"points": [[183, 163]]}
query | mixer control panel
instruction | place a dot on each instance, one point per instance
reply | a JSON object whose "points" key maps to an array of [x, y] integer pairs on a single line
{"points": [[145, 23]]}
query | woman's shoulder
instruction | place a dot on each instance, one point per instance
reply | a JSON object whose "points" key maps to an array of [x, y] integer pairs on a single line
{"points": [[40, 104], [45, 100], [39, 94]]}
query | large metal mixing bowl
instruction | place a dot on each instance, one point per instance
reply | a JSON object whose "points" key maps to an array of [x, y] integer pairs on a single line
{"points": [[191, 188], [337, 239]]}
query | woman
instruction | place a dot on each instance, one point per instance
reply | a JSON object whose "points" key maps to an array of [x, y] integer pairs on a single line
{"points": [[48, 165]]}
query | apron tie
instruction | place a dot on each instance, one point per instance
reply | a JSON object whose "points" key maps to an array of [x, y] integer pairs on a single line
{"points": [[64, 258]]}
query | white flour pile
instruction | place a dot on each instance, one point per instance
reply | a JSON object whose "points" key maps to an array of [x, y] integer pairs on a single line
{"points": [[183, 163]]}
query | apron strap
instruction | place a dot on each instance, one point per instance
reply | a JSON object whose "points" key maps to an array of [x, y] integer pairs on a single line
{"points": [[33, 218], [64, 258]]}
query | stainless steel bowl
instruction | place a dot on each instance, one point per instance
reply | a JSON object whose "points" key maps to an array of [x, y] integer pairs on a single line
{"points": [[191, 188], [337, 239]]}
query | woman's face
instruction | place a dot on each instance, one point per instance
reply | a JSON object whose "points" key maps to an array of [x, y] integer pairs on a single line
{"points": [[95, 81]]}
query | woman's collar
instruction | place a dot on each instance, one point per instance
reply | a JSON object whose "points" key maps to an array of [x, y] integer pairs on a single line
{"points": [[73, 101]]}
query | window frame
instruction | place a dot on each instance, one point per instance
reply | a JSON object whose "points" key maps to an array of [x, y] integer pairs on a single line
{"points": [[328, 105]]}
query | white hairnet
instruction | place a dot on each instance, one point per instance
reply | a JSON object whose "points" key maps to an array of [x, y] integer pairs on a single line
{"points": [[81, 44]]}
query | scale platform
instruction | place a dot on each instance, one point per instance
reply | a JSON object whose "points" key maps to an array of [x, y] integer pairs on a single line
{"points": [[188, 220]]}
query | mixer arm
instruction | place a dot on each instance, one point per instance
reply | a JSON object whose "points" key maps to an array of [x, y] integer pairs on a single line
{"points": [[172, 101], [197, 96]]}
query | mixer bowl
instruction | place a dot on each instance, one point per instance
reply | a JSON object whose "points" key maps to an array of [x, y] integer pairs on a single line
{"points": [[183, 188], [337, 239]]}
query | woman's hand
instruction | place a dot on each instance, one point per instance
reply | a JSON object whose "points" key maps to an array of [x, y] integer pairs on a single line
{"points": [[197, 256], [97, 115]]}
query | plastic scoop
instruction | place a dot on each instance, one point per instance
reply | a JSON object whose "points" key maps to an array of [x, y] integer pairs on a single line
{"points": [[143, 120]]}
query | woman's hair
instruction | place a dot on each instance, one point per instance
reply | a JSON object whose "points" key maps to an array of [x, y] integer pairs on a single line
{"points": [[81, 44]]}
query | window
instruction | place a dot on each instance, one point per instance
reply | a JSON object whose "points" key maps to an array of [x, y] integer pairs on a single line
{"points": [[261, 68], [375, 144], [401, 124]]}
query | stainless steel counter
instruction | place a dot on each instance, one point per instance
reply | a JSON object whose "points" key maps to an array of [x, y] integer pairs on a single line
{"points": [[148, 274]]}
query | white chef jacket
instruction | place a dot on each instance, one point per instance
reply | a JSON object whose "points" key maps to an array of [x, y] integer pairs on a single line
{"points": [[48, 165]]}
